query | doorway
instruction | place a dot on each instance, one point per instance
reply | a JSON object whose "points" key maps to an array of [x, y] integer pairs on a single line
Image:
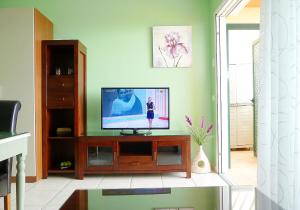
{"points": [[237, 24], [242, 160]]}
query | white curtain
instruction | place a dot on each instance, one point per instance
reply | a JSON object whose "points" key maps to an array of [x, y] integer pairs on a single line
{"points": [[279, 103]]}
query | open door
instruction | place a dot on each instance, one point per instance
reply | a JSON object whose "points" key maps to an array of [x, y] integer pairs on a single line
{"points": [[222, 94], [256, 90]]}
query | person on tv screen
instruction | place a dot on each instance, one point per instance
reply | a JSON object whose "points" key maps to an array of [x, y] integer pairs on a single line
{"points": [[150, 112], [126, 103]]}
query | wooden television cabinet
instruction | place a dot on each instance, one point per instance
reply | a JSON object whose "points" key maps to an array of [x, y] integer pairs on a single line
{"points": [[104, 153]]}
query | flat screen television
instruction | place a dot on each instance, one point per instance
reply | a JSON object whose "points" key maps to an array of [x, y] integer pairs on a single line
{"points": [[135, 109]]}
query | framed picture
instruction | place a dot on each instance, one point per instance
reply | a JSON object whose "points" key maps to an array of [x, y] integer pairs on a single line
{"points": [[172, 46]]}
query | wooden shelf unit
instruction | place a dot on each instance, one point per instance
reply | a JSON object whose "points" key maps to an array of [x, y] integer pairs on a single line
{"points": [[63, 102], [133, 154]]}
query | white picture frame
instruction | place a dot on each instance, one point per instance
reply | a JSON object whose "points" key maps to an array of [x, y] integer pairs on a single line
{"points": [[172, 46]]}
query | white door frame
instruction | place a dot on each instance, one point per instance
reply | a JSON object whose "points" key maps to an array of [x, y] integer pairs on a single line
{"points": [[226, 8]]}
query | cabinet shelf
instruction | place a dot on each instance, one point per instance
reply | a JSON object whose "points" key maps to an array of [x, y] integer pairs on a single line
{"points": [[61, 138], [61, 76], [61, 171], [60, 107], [135, 148]]}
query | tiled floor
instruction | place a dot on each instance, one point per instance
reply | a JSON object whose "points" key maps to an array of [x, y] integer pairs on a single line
{"points": [[50, 194], [243, 168], [243, 198]]}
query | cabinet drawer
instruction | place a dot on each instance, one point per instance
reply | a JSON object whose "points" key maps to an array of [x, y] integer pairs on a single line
{"points": [[135, 163], [60, 85], [60, 100]]}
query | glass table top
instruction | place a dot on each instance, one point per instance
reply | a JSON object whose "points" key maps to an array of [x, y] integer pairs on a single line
{"points": [[4, 135], [191, 198]]}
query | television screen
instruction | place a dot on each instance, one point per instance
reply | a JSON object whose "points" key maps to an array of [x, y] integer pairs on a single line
{"points": [[135, 108]]}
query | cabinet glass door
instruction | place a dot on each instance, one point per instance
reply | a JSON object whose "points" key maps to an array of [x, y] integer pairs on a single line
{"points": [[169, 155], [100, 156]]}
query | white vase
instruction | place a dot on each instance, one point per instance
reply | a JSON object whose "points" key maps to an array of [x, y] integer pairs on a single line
{"points": [[200, 162]]}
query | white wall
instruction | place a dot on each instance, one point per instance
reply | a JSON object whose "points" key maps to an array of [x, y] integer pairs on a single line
{"points": [[17, 70]]}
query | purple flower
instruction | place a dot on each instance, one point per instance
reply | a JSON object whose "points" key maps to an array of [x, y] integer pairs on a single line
{"points": [[173, 46], [202, 122], [209, 130], [189, 120]]}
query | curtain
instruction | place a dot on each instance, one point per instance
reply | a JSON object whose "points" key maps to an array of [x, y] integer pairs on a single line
{"points": [[279, 103]]}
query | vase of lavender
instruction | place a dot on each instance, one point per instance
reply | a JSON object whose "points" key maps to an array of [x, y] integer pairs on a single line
{"points": [[200, 134]]}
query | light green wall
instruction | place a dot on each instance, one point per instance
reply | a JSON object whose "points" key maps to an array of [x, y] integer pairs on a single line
{"points": [[214, 5], [197, 198], [118, 37]]}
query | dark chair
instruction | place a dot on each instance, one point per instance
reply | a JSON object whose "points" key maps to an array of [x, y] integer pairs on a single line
{"points": [[8, 121]]}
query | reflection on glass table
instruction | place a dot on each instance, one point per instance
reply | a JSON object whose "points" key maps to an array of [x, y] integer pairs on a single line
{"points": [[196, 198]]}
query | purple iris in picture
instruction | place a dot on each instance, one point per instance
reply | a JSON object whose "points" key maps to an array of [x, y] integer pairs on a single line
{"points": [[173, 48]]}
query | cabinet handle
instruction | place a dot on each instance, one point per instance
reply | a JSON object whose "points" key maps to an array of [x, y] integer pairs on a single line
{"points": [[154, 156], [63, 98], [63, 84]]}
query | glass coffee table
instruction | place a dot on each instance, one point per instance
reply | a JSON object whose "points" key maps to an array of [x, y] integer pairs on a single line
{"points": [[192, 198]]}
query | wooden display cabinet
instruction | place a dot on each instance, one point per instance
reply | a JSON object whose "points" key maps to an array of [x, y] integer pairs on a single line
{"points": [[108, 154], [63, 102]]}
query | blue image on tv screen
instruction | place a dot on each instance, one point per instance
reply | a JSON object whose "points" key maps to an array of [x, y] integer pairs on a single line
{"points": [[135, 108]]}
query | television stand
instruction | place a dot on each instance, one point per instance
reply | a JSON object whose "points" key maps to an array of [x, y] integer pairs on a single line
{"points": [[161, 152], [135, 132]]}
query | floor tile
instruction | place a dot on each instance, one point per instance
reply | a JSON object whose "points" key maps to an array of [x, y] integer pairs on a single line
{"points": [[55, 207], [86, 183], [243, 198], [175, 180], [113, 182], [61, 197], [175, 174], [209, 179], [39, 197], [28, 186], [27, 207], [146, 181], [33, 207], [53, 183], [243, 169]]}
